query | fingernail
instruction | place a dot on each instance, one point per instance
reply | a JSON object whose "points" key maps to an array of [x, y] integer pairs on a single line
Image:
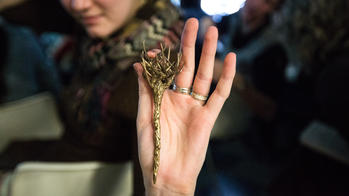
{"points": [[155, 50], [151, 54]]}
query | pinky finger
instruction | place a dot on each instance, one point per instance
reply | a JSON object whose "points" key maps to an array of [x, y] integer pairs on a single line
{"points": [[222, 91]]}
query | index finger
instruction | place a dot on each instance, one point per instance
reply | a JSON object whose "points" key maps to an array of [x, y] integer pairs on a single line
{"points": [[185, 78]]}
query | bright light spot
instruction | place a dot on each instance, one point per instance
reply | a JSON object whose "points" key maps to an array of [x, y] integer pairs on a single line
{"points": [[217, 18], [176, 2], [221, 7]]}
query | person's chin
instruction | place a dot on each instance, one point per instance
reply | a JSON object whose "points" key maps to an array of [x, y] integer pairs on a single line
{"points": [[96, 32]]}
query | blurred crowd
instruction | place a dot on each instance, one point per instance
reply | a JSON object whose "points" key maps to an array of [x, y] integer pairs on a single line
{"points": [[283, 131]]}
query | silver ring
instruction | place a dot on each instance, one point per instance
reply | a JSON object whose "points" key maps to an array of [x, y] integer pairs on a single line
{"points": [[198, 96], [185, 91]]}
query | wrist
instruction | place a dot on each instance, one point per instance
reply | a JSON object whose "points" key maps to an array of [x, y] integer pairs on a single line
{"points": [[161, 189]]}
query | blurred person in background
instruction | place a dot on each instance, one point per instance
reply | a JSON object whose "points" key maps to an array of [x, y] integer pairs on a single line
{"points": [[245, 151], [262, 58], [261, 64], [260, 79], [24, 69], [318, 32], [269, 154]]}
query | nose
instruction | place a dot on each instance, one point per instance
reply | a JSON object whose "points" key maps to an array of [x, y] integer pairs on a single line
{"points": [[80, 5]]}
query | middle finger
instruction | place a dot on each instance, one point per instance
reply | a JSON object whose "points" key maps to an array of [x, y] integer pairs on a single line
{"points": [[204, 75]]}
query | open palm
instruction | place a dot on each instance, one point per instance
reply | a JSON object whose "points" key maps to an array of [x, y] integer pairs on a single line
{"points": [[186, 123]]}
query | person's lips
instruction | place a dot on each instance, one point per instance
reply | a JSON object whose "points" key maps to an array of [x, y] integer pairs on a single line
{"points": [[90, 20]]}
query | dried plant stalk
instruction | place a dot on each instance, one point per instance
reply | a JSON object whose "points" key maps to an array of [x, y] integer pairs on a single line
{"points": [[160, 73]]}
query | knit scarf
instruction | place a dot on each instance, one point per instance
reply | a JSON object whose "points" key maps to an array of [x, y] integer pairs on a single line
{"points": [[153, 24]]}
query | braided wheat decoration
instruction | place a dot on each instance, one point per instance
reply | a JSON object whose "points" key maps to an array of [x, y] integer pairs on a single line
{"points": [[160, 73]]}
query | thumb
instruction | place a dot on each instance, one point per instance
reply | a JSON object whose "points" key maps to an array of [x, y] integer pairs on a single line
{"points": [[145, 100]]}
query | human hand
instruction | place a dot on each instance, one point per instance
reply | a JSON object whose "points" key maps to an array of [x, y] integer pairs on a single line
{"points": [[186, 123]]}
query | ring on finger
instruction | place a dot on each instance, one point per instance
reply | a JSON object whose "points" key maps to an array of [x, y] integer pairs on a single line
{"points": [[198, 96], [185, 91]]}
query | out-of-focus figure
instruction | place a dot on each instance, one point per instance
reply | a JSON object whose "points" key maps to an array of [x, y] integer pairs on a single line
{"points": [[261, 60], [318, 33], [24, 68], [245, 147]]}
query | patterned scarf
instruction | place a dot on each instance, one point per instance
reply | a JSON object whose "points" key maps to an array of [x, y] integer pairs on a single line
{"points": [[153, 22], [103, 90]]}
